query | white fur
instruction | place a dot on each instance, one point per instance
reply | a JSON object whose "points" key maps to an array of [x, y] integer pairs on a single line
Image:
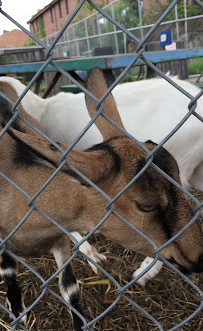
{"points": [[90, 251], [8, 272], [149, 109], [59, 255], [151, 273], [68, 292]]}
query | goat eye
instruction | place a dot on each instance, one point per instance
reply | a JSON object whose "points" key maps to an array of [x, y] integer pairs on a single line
{"points": [[145, 208]]}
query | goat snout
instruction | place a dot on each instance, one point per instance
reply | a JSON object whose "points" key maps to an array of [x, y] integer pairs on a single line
{"points": [[198, 267], [192, 267]]}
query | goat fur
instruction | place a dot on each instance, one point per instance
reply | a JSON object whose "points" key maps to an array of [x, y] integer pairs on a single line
{"points": [[152, 204], [65, 115], [90, 164]]}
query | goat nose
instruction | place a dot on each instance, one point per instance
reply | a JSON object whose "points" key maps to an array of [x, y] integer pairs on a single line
{"points": [[199, 266]]}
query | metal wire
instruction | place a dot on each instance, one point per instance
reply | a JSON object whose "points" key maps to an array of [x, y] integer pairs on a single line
{"points": [[109, 202]]}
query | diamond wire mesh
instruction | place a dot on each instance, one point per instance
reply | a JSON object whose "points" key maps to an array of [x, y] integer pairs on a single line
{"points": [[110, 202]]}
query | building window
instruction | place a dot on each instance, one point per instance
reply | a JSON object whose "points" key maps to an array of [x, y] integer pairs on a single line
{"points": [[33, 28], [60, 12], [67, 9], [51, 12]]}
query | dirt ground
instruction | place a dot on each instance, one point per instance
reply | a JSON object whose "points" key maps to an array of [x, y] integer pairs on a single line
{"points": [[168, 298]]}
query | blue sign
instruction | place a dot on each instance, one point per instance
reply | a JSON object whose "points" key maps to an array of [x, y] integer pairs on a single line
{"points": [[165, 37]]}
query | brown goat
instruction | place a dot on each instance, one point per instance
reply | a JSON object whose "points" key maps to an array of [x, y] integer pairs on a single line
{"points": [[152, 204]]}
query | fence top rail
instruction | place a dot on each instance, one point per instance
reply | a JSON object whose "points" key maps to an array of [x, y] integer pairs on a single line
{"points": [[103, 62], [20, 49]]}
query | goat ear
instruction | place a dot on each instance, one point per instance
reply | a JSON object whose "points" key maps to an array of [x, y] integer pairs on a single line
{"points": [[95, 164], [96, 84]]}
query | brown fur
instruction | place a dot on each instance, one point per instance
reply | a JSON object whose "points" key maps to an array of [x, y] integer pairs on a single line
{"points": [[79, 208], [109, 105]]}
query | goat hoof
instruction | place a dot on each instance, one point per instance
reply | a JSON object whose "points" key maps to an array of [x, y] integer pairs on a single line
{"points": [[151, 273], [97, 258], [23, 320]]}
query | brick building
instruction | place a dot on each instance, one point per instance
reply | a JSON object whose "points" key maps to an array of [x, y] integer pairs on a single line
{"points": [[14, 38], [54, 15]]}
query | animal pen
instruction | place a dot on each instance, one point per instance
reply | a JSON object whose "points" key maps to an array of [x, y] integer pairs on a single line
{"points": [[113, 301]]}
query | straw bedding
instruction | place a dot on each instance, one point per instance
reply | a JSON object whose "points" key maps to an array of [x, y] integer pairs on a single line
{"points": [[168, 298]]}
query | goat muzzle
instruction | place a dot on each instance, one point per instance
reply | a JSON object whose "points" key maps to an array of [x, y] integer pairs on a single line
{"points": [[194, 267], [198, 267]]}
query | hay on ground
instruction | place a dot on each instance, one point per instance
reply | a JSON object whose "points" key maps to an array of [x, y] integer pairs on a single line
{"points": [[168, 298]]}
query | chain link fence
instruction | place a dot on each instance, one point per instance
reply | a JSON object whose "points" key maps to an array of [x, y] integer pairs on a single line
{"points": [[82, 37], [192, 102]]}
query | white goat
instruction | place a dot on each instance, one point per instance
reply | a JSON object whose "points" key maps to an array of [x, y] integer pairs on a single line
{"points": [[64, 116], [149, 204], [154, 108]]}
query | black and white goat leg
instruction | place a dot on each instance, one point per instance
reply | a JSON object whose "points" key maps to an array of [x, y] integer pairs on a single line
{"points": [[151, 273], [91, 252], [68, 284], [8, 273], [100, 259]]}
